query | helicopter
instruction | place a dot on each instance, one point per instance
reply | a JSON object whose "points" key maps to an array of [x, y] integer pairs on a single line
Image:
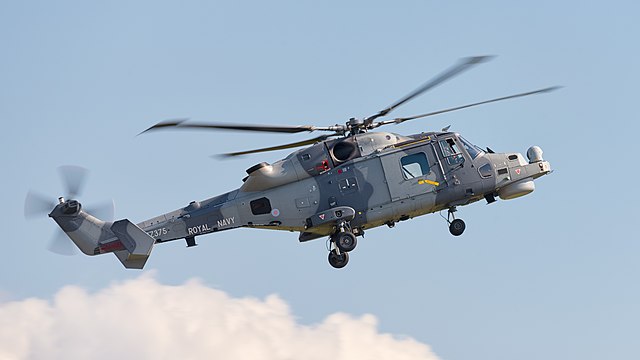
{"points": [[337, 186]]}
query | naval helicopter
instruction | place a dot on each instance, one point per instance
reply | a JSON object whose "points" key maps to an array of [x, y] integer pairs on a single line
{"points": [[337, 186]]}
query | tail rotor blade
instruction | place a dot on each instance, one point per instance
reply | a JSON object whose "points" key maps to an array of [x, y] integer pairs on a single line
{"points": [[61, 244], [37, 205], [104, 211], [73, 179]]}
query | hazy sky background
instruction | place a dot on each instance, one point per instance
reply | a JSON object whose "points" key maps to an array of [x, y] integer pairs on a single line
{"points": [[553, 275]]}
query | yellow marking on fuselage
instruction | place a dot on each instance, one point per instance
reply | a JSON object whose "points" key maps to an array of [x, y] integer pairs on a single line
{"points": [[430, 182]]}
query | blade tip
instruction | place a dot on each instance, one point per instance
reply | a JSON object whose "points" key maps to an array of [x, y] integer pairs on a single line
{"points": [[226, 156], [164, 124], [480, 59]]}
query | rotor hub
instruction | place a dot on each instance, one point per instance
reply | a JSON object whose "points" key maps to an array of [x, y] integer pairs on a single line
{"points": [[355, 125]]}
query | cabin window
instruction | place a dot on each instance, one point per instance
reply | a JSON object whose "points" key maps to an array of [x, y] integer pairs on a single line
{"points": [[451, 152], [260, 206], [414, 165]]}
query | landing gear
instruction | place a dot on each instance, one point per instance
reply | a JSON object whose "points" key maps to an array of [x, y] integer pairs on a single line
{"points": [[338, 261], [456, 226], [340, 243], [345, 241]]}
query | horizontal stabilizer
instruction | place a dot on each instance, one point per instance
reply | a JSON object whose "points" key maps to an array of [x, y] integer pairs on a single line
{"points": [[137, 242]]}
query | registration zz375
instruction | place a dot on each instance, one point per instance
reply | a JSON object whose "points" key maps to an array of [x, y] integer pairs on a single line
{"points": [[157, 232]]}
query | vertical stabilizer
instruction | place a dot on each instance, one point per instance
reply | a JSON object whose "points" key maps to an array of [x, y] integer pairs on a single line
{"points": [[138, 244]]}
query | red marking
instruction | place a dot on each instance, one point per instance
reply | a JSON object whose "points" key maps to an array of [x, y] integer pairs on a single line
{"points": [[111, 247], [323, 166], [518, 171], [339, 171], [321, 216]]}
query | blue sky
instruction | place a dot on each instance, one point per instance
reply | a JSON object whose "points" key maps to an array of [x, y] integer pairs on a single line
{"points": [[551, 275]]}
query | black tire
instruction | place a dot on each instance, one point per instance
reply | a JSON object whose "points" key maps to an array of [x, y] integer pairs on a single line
{"points": [[457, 226], [338, 261], [346, 241]]}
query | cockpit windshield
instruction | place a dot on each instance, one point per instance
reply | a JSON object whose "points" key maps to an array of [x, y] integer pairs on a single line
{"points": [[473, 150]]}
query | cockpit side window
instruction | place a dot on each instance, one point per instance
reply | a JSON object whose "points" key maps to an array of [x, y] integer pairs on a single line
{"points": [[414, 165], [451, 152], [473, 150]]}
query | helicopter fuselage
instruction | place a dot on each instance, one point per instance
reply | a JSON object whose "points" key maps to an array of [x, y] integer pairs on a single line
{"points": [[366, 180]]}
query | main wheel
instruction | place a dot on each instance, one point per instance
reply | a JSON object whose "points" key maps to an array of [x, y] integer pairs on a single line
{"points": [[457, 226], [346, 241], [338, 261]]}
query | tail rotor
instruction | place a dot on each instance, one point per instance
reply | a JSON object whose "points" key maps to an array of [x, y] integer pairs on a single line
{"points": [[73, 179]]}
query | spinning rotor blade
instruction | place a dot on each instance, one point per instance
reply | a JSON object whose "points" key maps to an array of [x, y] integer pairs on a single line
{"points": [[73, 179], [181, 124], [280, 147], [104, 211], [401, 120], [61, 244], [461, 66], [37, 205]]}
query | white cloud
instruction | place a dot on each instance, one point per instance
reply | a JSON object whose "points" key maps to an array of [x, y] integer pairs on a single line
{"points": [[144, 319]]}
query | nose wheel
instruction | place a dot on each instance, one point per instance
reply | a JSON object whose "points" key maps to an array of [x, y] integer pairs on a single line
{"points": [[456, 226]]}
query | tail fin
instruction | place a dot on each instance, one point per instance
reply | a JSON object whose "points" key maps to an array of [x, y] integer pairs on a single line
{"points": [[93, 236], [138, 244]]}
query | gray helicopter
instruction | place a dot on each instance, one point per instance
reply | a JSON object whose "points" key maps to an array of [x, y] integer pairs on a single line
{"points": [[342, 183]]}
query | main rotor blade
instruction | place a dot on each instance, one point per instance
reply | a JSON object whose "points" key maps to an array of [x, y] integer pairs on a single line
{"points": [[181, 124], [403, 119], [280, 147], [37, 205], [73, 178], [462, 65]]}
